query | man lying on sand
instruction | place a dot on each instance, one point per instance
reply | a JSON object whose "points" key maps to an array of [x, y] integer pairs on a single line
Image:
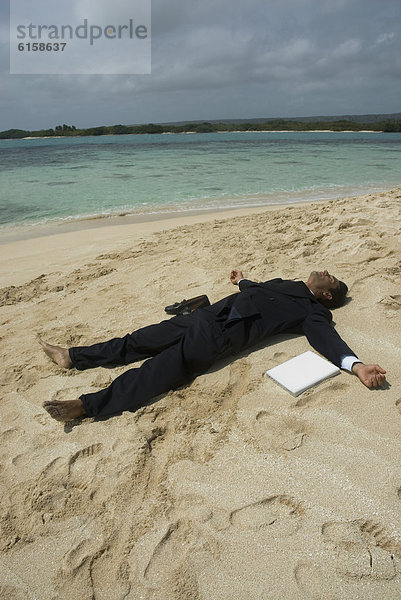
{"points": [[185, 346]]}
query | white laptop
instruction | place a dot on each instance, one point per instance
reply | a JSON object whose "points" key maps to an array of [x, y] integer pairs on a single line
{"points": [[302, 372]]}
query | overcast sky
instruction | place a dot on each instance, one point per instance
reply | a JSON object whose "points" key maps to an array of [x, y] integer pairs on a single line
{"points": [[216, 59]]}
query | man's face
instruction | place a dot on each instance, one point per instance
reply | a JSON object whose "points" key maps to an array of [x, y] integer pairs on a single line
{"points": [[321, 282]]}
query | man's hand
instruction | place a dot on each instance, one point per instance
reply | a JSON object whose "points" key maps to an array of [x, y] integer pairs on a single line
{"points": [[372, 376], [235, 276]]}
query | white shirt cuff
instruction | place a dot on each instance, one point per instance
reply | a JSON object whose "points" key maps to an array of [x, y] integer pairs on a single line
{"points": [[348, 361]]}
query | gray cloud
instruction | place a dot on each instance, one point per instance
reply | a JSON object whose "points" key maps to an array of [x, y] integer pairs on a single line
{"points": [[219, 59]]}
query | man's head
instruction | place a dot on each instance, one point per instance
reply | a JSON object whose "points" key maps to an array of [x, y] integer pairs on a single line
{"points": [[329, 290]]}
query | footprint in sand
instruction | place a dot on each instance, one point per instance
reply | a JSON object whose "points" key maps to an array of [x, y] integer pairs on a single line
{"points": [[364, 549], [169, 567], [82, 554], [280, 514], [170, 556], [48, 492], [85, 453], [222, 412], [312, 582], [11, 435], [278, 432], [398, 405], [78, 566], [64, 487], [83, 466]]}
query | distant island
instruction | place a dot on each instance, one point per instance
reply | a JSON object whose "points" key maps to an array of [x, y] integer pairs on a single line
{"points": [[351, 123]]}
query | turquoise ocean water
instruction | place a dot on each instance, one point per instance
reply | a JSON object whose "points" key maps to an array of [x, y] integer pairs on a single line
{"points": [[47, 181]]}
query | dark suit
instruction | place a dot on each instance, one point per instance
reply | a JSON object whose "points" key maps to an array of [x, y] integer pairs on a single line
{"points": [[185, 346]]}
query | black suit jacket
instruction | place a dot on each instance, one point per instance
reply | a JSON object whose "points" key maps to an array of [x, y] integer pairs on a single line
{"points": [[278, 306]]}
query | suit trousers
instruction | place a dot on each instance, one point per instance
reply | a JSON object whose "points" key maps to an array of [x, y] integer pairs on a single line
{"points": [[177, 350]]}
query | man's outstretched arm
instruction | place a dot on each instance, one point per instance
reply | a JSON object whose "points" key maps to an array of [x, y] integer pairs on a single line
{"points": [[326, 340], [373, 376]]}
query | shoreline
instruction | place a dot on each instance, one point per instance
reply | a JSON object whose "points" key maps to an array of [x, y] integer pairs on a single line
{"points": [[16, 233], [10, 233]]}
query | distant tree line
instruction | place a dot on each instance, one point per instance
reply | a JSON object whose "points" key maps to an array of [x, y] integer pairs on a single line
{"points": [[389, 125]]}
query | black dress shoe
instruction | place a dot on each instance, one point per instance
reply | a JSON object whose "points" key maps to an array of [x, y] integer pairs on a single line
{"points": [[185, 307]]}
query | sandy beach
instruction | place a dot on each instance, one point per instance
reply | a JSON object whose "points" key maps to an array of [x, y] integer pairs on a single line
{"points": [[230, 488]]}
